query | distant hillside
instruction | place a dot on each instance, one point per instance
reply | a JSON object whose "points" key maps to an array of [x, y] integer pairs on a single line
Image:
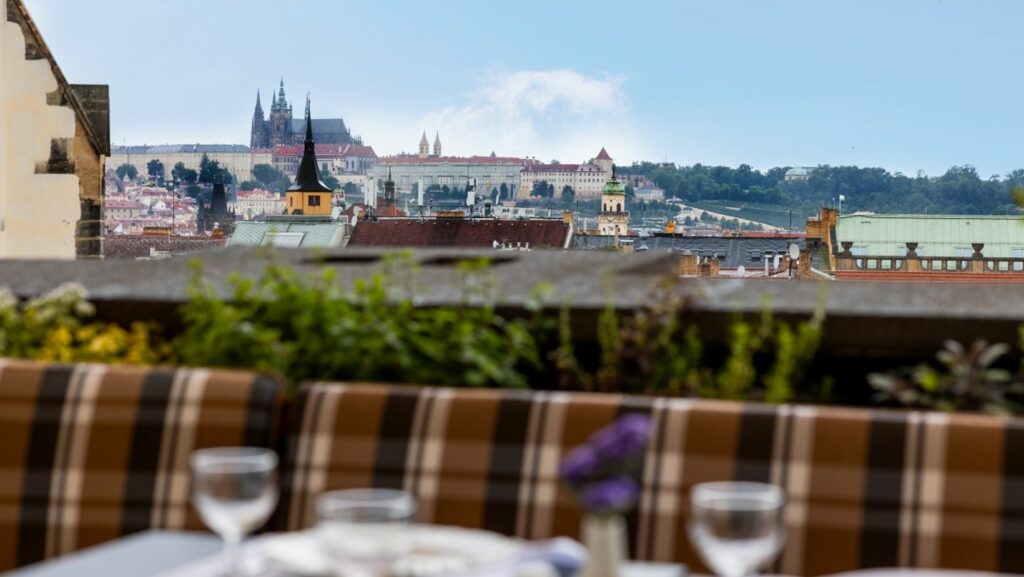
{"points": [[774, 214], [959, 191]]}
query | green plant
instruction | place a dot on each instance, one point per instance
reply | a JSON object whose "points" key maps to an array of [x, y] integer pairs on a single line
{"points": [[310, 328], [967, 380], [56, 327]]}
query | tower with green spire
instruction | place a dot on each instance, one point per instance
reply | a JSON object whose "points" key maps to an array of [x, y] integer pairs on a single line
{"points": [[613, 220]]}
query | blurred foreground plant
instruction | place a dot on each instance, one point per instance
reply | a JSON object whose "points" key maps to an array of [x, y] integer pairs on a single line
{"points": [[311, 328], [966, 380], [56, 327]]}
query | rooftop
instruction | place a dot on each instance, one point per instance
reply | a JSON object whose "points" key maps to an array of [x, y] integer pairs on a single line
{"points": [[460, 232], [407, 159], [936, 235], [731, 252], [182, 148], [562, 168], [291, 232]]}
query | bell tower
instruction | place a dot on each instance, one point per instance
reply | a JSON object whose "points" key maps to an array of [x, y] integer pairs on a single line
{"points": [[259, 137], [309, 196], [424, 146], [613, 220], [437, 144]]}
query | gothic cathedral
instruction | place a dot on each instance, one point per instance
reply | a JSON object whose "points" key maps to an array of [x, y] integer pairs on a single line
{"points": [[281, 129]]}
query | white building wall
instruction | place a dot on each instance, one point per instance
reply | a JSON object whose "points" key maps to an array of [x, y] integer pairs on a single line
{"points": [[38, 212], [487, 176], [239, 164]]}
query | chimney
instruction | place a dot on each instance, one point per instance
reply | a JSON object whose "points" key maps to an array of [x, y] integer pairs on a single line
{"points": [[688, 264], [804, 265]]}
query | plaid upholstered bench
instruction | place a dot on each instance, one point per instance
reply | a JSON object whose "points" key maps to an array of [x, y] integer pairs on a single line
{"points": [[91, 452], [867, 488]]}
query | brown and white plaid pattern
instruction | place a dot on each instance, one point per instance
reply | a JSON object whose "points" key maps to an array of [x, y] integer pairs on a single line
{"points": [[91, 452], [867, 488]]}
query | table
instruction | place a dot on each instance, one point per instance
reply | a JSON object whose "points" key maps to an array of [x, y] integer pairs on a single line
{"points": [[150, 553]]}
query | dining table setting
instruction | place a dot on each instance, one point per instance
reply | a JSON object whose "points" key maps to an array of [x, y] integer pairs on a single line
{"points": [[736, 527]]}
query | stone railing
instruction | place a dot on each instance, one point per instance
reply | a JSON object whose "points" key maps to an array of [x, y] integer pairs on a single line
{"points": [[913, 263]]}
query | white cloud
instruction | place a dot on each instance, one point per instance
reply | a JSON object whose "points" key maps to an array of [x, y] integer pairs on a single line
{"points": [[550, 114]]}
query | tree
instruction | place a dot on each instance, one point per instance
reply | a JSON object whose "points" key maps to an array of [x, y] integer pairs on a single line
{"points": [[193, 190], [503, 191], [350, 188], [225, 176], [543, 189], [209, 170], [155, 169], [127, 170], [267, 174], [568, 195], [248, 185], [182, 174], [331, 182]]}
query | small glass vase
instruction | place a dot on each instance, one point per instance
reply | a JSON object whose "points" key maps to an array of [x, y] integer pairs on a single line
{"points": [[604, 536]]}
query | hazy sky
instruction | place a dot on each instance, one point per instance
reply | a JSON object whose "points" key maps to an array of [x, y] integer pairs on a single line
{"points": [[906, 85]]}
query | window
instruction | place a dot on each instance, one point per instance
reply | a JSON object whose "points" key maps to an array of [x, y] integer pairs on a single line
{"points": [[314, 200], [283, 239], [964, 252]]}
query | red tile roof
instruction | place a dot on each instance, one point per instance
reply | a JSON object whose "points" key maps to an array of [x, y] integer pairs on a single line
{"points": [[408, 159], [562, 168], [457, 232], [603, 155], [328, 151]]}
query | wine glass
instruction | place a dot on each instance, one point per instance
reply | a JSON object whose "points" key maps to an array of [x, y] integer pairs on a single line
{"points": [[737, 527], [365, 530], [235, 491]]}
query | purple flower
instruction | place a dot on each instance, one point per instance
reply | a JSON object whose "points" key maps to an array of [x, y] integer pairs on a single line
{"points": [[580, 465], [611, 495], [625, 438]]}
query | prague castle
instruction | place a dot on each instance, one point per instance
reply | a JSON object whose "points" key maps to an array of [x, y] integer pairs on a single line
{"points": [[281, 128]]}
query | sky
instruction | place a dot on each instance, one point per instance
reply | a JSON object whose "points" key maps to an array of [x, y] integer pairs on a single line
{"points": [[906, 85]]}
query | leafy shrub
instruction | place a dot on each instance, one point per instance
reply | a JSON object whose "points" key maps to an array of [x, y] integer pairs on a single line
{"points": [[652, 351], [966, 380], [55, 327], [310, 328]]}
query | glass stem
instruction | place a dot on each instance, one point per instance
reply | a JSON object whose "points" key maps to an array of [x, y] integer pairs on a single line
{"points": [[233, 556]]}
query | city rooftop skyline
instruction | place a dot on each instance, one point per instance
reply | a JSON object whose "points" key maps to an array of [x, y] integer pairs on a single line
{"points": [[918, 85]]}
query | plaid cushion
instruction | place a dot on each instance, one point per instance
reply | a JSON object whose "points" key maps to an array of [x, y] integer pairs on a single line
{"points": [[92, 452], [867, 488]]}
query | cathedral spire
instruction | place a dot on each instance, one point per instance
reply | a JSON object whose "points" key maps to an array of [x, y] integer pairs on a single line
{"points": [[308, 177], [259, 107], [281, 102]]}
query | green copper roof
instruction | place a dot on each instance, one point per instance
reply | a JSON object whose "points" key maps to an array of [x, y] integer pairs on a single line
{"points": [[936, 235], [297, 234], [613, 186]]}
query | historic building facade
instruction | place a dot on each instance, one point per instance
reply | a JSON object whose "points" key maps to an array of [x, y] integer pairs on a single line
{"points": [[586, 180], [281, 128], [54, 138], [413, 172]]}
